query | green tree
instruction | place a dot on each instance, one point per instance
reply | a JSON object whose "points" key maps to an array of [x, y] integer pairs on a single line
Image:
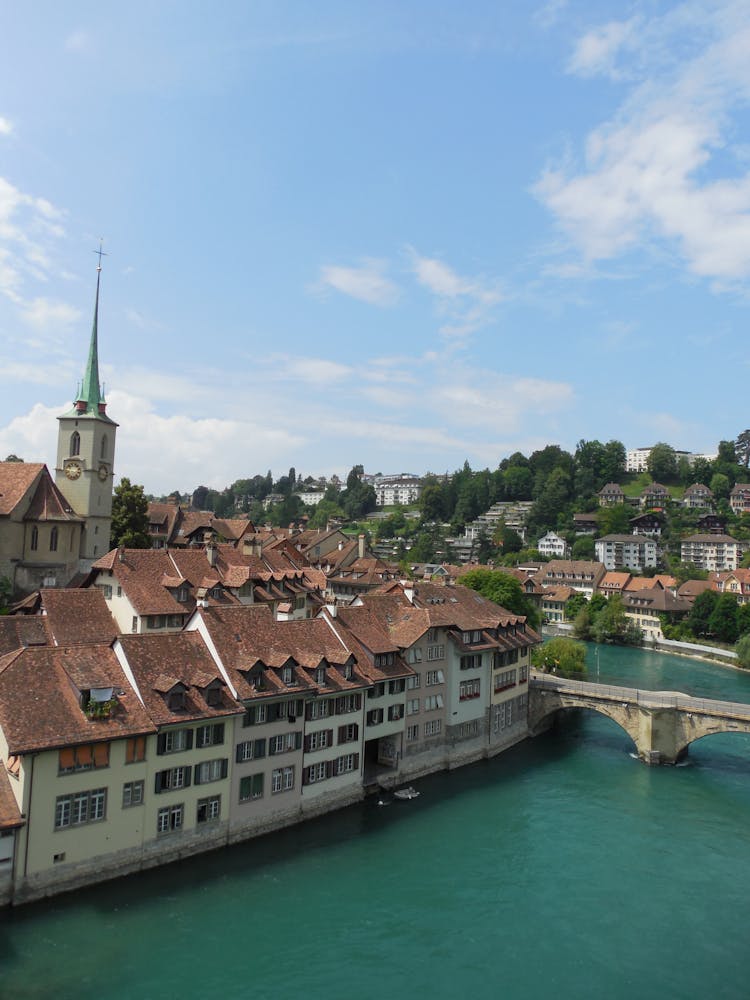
{"points": [[742, 649], [741, 448], [584, 548], [662, 462], [720, 485], [700, 614], [13, 458], [502, 589], [614, 520], [561, 656], [723, 623], [574, 605], [130, 516]]}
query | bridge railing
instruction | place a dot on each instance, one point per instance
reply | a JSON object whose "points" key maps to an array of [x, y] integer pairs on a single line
{"points": [[636, 696]]}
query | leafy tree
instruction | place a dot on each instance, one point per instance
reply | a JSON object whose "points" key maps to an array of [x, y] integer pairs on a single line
{"points": [[662, 462], [561, 656], [720, 486], [583, 622], [200, 497], [584, 548], [518, 482], [358, 498], [503, 589], [743, 619], [614, 520], [573, 606], [325, 510], [723, 622], [130, 516], [742, 649], [700, 614], [13, 458], [613, 467], [741, 448]]}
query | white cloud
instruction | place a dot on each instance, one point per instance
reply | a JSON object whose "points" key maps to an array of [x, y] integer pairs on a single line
{"points": [[45, 313], [651, 175], [368, 283], [315, 371], [596, 52], [467, 303], [6, 126]]}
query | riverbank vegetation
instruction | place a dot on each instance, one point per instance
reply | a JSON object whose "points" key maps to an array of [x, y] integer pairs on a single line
{"points": [[560, 656]]}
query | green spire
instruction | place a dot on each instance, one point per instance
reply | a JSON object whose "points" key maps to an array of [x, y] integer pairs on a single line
{"points": [[90, 389]]}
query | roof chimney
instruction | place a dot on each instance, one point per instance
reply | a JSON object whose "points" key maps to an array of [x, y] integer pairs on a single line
{"points": [[360, 546], [211, 553]]}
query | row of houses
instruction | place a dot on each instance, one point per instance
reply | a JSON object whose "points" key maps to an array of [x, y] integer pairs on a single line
{"points": [[122, 750], [656, 496]]}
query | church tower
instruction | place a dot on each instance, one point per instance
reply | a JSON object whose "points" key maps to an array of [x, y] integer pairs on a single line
{"points": [[86, 452]]}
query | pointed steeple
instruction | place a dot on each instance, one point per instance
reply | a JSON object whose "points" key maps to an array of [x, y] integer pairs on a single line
{"points": [[90, 393], [90, 398]]}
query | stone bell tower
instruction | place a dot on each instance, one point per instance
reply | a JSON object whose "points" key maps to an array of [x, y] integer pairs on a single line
{"points": [[86, 452]]}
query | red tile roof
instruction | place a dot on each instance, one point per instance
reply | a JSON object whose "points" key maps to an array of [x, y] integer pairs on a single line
{"points": [[40, 706]]}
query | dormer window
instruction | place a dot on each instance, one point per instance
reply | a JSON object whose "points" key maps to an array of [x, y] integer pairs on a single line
{"points": [[287, 675], [348, 671], [215, 592], [320, 675], [182, 594], [176, 699], [212, 694]]}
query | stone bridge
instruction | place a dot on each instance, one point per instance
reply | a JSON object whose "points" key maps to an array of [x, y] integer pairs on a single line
{"points": [[662, 724]]}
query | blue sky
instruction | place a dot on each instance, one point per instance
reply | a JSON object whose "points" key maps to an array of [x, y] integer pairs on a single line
{"points": [[398, 233]]}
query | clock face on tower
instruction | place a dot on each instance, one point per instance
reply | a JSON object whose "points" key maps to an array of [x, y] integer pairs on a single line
{"points": [[73, 470], [103, 472]]}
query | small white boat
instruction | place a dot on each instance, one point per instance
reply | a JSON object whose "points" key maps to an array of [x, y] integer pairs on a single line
{"points": [[406, 793]]}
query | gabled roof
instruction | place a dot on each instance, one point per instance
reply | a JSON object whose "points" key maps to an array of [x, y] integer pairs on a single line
{"points": [[159, 662], [18, 631], [248, 636], [77, 617], [16, 479], [48, 503], [40, 701]]}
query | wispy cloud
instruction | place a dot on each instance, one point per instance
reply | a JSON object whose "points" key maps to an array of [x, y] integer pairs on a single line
{"points": [[596, 52], [368, 282], [466, 303], [650, 175], [43, 313]]}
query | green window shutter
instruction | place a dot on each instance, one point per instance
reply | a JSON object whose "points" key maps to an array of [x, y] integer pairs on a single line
{"points": [[161, 743], [224, 767], [157, 782], [189, 740], [298, 741], [238, 753], [188, 772], [260, 748], [219, 733]]}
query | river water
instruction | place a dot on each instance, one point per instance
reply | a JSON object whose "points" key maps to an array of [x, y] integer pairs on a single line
{"points": [[563, 869]]}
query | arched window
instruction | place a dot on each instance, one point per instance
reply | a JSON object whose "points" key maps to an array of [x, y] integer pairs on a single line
{"points": [[104, 447], [53, 539], [34, 538], [75, 443]]}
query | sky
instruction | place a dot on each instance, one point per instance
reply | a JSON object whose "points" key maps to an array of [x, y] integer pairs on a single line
{"points": [[404, 234]]}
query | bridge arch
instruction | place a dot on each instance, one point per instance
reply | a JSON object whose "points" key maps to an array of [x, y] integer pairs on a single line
{"points": [[546, 708], [683, 745]]}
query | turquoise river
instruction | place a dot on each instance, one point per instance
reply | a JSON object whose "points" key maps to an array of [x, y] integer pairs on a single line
{"points": [[561, 869]]}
